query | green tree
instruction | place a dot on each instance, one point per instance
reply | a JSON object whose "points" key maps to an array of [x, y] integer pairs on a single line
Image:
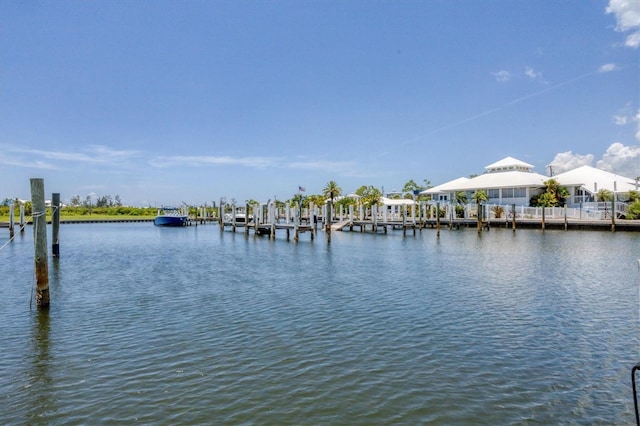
{"points": [[554, 195], [461, 198], [604, 195], [369, 195], [480, 196], [332, 190]]}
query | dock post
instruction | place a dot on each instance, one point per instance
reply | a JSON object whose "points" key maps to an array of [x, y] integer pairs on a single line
{"points": [[613, 208], [22, 221], [404, 221], [246, 219], [350, 217], [513, 217], [11, 220], [296, 223], [55, 225], [438, 219], [39, 215], [374, 218], [543, 217], [565, 218], [329, 207], [221, 215]]}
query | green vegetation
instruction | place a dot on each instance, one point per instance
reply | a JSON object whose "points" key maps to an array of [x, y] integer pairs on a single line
{"points": [[498, 211], [633, 210], [554, 195], [369, 195], [85, 213]]}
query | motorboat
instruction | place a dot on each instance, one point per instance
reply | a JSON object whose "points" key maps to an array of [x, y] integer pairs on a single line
{"points": [[170, 216]]}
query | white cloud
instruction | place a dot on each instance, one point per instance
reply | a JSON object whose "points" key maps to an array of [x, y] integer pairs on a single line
{"points": [[255, 162], [621, 159], [565, 161], [502, 76], [92, 154], [620, 120], [607, 68], [627, 13], [532, 74]]}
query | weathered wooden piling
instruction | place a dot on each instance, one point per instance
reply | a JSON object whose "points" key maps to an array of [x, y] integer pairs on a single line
{"points": [[40, 242], [613, 208], [55, 225], [513, 217], [22, 221], [328, 220], [437, 219], [11, 221]]}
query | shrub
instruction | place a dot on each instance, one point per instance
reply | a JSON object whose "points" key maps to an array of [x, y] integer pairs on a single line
{"points": [[498, 211], [633, 210]]}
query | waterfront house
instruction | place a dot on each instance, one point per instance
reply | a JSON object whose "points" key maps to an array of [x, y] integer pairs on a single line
{"points": [[583, 183], [508, 181]]}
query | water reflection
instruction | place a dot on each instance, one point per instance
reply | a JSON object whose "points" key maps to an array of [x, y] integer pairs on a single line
{"points": [[40, 382]]}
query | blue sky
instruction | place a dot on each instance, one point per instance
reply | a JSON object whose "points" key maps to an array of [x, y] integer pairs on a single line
{"points": [[163, 102]]}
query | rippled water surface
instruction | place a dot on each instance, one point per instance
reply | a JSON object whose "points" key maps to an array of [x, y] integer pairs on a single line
{"points": [[191, 325]]}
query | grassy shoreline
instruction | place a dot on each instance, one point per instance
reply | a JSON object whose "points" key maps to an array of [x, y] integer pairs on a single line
{"points": [[88, 218]]}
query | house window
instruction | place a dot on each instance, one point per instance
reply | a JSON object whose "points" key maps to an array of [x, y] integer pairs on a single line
{"points": [[493, 193], [519, 192]]}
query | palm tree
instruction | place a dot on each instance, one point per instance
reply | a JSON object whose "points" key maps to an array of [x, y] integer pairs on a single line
{"points": [[332, 190], [460, 200], [479, 197], [604, 196]]}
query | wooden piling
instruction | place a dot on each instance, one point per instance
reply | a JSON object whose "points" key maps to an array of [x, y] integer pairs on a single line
{"points": [[543, 218], [55, 225], [11, 230], [513, 217], [438, 219], [22, 221], [328, 220], [613, 211], [40, 242]]}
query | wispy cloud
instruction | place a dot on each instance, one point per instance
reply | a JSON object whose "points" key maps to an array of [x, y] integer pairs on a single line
{"points": [[90, 154], [252, 162], [627, 14], [330, 166], [502, 76], [620, 120], [35, 164], [607, 68], [533, 74]]}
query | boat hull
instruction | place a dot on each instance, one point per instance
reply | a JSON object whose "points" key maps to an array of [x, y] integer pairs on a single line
{"points": [[170, 221]]}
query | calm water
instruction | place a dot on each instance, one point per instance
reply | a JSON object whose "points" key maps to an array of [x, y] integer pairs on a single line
{"points": [[191, 325]]}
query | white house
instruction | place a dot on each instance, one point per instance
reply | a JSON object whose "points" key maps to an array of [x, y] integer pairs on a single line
{"points": [[508, 181], [584, 182]]}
